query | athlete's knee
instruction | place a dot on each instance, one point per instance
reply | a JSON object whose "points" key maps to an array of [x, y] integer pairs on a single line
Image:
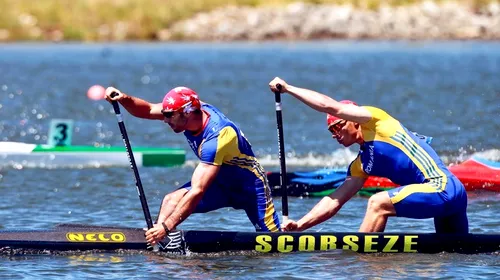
{"points": [[173, 197], [381, 204], [166, 200]]}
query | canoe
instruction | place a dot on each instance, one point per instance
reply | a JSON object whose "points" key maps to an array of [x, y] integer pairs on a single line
{"points": [[75, 238]]}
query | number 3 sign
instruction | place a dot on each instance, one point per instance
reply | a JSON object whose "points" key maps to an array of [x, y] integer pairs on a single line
{"points": [[60, 133]]}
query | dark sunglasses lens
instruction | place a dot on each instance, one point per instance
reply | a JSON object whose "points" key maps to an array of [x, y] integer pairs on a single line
{"points": [[168, 115], [336, 127]]}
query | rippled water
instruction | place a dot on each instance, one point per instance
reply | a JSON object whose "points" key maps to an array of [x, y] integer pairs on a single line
{"points": [[450, 91]]}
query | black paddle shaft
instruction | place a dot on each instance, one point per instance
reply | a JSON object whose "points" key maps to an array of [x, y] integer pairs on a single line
{"points": [[281, 143], [133, 165]]}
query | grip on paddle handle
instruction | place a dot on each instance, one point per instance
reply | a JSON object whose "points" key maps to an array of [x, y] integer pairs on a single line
{"points": [[116, 107], [279, 87], [277, 95]]}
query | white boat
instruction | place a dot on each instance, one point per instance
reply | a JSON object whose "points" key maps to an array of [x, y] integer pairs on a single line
{"points": [[33, 155]]}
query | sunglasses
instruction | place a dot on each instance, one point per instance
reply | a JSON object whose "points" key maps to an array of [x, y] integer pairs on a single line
{"points": [[168, 114], [336, 127]]}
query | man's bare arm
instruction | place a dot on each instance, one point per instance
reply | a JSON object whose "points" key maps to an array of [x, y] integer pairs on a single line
{"points": [[203, 177], [323, 103], [330, 205], [135, 106], [141, 108]]}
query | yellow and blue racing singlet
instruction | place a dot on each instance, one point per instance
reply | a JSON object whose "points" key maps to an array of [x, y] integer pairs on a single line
{"points": [[241, 182], [428, 189]]}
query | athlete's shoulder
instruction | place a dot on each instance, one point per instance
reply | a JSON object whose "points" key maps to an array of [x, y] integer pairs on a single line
{"points": [[217, 122], [214, 112], [376, 112], [209, 107], [378, 115]]}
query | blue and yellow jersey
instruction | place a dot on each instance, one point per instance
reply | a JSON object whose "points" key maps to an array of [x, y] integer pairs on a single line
{"points": [[392, 151], [241, 182], [223, 143]]}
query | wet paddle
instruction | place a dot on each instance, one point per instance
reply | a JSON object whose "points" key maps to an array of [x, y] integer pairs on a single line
{"points": [[281, 145], [138, 183]]}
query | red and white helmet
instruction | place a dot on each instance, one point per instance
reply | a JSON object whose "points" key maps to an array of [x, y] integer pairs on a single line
{"points": [[181, 98]]}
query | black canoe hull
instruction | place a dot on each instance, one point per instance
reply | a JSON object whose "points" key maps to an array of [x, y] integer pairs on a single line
{"points": [[86, 237]]}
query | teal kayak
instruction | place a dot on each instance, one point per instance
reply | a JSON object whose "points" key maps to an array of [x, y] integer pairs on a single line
{"points": [[66, 156]]}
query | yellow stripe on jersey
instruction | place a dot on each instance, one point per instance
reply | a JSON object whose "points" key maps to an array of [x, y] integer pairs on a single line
{"points": [[415, 150], [229, 153], [269, 218], [434, 174], [411, 189], [356, 168], [385, 128]]}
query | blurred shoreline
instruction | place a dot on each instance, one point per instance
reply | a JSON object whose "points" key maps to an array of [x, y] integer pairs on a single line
{"points": [[422, 20]]}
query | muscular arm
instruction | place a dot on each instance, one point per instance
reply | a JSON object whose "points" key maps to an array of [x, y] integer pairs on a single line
{"points": [[326, 104], [141, 108], [203, 176], [330, 205]]}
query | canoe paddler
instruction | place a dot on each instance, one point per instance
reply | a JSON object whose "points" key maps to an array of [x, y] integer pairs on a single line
{"points": [[387, 149], [228, 174]]}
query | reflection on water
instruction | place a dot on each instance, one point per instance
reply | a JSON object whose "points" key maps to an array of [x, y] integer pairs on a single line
{"points": [[77, 260]]}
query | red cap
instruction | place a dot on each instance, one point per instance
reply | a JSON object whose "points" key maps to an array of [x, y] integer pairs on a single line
{"points": [[330, 120], [181, 97]]}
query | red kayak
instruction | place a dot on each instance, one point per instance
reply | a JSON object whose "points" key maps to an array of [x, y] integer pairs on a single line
{"points": [[475, 173]]}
